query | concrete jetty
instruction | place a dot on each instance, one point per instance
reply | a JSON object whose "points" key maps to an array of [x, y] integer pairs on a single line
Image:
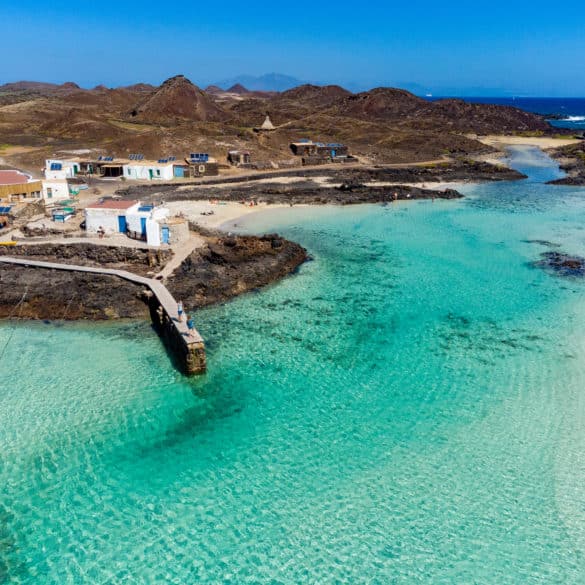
{"points": [[186, 346]]}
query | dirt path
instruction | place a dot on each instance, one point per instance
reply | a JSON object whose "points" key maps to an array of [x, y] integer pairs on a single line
{"points": [[181, 252]]}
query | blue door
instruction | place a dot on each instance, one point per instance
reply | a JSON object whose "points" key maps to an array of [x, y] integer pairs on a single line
{"points": [[143, 225], [122, 227], [165, 235], [179, 172]]}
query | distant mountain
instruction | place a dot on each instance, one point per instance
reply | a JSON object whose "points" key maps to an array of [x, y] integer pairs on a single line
{"points": [[239, 89], [213, 90], [268, 82]]}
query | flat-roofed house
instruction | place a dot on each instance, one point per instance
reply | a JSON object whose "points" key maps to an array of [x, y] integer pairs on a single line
{"points": [[56, 190], [201, 165], [17, 186], [61, 169], [109, 216], [147, 170]]}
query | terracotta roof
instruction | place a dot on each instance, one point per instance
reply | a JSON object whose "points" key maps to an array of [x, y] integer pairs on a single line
{"points": [[13, 178], [112, 204]]}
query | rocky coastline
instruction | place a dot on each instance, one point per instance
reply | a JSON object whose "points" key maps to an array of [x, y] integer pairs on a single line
{"points": [[572, 161], [343, 186], [222, 269]]}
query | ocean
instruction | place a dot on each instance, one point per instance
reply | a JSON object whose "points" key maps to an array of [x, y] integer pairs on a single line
{"points": [[408, 408]]}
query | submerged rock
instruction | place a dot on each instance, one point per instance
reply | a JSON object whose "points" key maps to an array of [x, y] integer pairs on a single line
{"points": [[562, 264]]}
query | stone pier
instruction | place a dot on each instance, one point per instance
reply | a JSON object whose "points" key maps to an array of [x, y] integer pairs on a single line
{"points": [[185, 346]]}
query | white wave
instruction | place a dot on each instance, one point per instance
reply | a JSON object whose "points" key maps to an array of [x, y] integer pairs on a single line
{"points": [[574, 119]]}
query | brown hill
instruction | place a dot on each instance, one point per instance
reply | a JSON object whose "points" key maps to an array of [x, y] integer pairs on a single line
{"points": [[462, 116], [139, 88], [178, 98], [315, 95], [239, 89], [68, 86], [383, 103], [214, 90], [29, 86], [383, 125]]}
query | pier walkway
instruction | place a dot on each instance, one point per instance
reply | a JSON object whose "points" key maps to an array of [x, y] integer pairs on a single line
{"points": [[187, 345]]}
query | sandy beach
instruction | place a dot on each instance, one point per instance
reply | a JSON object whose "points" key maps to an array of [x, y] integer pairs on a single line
{"points": [[224, 212], [539, 141]]}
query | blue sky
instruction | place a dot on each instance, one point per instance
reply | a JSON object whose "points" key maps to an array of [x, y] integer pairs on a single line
{"points": [[512, 47]]}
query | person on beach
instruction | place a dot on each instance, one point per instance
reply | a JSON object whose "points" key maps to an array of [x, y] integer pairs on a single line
{"points": [[180, 310]]}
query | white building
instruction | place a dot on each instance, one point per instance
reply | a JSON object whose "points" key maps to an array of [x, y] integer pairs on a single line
{"points": [[144, 222], [145, 170], [56, 190], [61, 169], [109, 215], [141, 222]]}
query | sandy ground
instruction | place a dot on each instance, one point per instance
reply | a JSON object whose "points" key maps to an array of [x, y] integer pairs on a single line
{"points": [[223, 212], [540, 142]]}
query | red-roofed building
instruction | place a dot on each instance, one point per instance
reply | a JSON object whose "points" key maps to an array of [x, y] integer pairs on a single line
{"points": [[16, 186], [112, 204]]}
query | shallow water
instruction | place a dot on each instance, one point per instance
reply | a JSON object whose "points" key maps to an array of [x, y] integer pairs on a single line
{"points": [[409, 407]]}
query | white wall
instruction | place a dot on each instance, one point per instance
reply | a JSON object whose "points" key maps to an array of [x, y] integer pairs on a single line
{"points": [[134, 219], [153, 217], [153, 233], [57, 190], [107, 219], [141, 172], [67, 171]]}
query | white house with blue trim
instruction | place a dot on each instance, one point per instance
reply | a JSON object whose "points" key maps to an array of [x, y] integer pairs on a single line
{"points": [[149, 223], [146, 170], [59, 169]]}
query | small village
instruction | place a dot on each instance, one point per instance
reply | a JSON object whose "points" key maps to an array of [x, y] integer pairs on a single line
{"points": [[77, 196]]}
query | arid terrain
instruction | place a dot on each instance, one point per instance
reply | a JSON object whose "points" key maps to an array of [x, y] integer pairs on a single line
{"points": [[381, 126]]}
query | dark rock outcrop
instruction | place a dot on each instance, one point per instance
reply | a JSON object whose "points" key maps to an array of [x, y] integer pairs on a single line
{"points": [[230, 266], [225, 268], [137, 260], [562, 264], [572, 161], [60, 295]]}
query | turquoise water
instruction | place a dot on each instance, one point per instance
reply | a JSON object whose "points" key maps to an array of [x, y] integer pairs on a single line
{"points": [[408, 408]]}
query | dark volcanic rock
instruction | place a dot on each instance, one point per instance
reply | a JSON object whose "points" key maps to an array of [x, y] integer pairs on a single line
{"points": [[572, 157], [232, 266], [562, 264], [245, 187], [226, 267], [137, 260], [574, 181], [59, 295]]}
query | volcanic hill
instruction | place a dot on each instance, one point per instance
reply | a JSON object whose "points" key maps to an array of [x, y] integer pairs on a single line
{"points": [[384, 125]]}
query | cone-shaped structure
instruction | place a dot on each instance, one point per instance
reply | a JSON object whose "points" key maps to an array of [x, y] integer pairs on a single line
{"points": [[267, 125]]}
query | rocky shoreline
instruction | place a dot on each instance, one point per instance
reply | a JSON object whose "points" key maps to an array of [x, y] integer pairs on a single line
{"points": [[224, 268], [572, 161], [344, 186]]}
